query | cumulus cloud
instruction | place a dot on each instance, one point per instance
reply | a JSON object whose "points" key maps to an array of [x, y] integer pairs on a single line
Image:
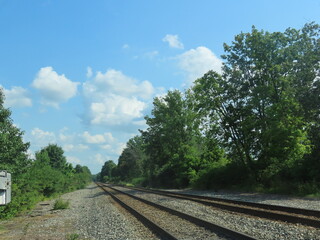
{"points": [[173, 41], [114, 98], [16, 97], [76, 147], [54, 88], [41, 138], [98, 138], [196, 62]]}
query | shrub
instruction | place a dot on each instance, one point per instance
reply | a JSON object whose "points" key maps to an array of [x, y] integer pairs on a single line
{"points": [[61, 204]]}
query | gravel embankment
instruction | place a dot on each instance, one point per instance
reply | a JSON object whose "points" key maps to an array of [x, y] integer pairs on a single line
{"points": [[92, 215], [259, 228]]}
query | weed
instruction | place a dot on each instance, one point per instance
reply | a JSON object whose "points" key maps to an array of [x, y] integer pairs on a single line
{"points": [[61, 204], [73, 236]]}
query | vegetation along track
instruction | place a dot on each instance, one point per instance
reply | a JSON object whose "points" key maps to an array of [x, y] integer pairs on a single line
{"points": [[273, 212], [168, 223]]}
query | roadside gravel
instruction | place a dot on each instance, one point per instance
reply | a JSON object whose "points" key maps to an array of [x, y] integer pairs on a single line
{"points": [[259, 228], [91, 215]]}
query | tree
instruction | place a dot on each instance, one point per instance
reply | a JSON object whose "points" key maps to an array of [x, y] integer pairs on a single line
{"points": [[13, 151], [106, 171], [56, 157], [259, 101], [170, 141], [130, 163]]}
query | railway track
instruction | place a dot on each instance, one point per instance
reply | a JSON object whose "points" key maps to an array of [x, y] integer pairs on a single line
{"points": [[168, 223], [273, 212]]}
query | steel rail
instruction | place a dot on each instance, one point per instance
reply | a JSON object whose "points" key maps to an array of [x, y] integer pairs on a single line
{"points": [[267, 211], [202, 223], [163, 234]]}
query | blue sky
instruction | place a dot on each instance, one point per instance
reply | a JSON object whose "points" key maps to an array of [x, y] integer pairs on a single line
{"points": [[83, 74]]}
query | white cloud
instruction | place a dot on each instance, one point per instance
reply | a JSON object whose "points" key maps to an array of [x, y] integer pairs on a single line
{"points": [[41, 138], [100, 159], [173, 41], [77, 147], [106, 147], [94, 139], [125, 46], [116, 82], [73, 160], [89, 72], [151, 55], [114, 98], [98, 138], [116, 110], [16, 97], [196, 62], [54, 88]]}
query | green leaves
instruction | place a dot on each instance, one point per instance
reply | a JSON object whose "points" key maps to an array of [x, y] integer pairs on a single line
{"points": [[258, 122], [262, 101]]}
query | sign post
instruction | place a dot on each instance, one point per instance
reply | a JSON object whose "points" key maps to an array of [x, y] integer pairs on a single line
{"points": [[5, 187]]}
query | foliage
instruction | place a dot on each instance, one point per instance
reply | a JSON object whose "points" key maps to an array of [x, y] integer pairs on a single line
{"points": [[13, 151], [170, 141], [47, 175], [259, 100], [106, 171], [61, 204], [255, 125], [73, 236]]}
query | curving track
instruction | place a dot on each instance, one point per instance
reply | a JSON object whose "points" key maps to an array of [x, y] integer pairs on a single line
{"points": [[168, 223]]}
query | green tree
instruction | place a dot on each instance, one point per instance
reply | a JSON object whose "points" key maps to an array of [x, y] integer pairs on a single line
{"points": [[57, 160], [106, 170], [170, 141], [13, 151], [257, 101], [131, 160]]}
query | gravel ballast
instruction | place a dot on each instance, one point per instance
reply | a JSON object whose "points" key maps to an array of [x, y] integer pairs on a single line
{"points": [[256, 227], [92, 215]]}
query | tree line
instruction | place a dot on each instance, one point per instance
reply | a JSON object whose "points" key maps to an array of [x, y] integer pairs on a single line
{"points": [[255, 125], [33, 180]]}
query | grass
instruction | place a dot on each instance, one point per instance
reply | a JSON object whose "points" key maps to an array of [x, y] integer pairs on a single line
{"points": [[73, 236], [61, 204]]}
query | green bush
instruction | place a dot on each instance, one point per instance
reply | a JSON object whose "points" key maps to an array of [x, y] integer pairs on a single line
{"points": [[61, 204], [138, 181], [220, 175]]}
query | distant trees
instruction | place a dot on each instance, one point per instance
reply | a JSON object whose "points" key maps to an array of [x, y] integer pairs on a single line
{"points": [[257, 124], [106, 171]]}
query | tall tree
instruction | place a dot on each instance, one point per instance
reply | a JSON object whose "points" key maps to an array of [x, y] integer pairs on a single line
{"points": [[13, 151], [56, 157], [258, 100], [170, 141]]}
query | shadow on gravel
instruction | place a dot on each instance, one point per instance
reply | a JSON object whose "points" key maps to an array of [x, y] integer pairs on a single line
{"points": [[92, 187], [97, 195]]}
